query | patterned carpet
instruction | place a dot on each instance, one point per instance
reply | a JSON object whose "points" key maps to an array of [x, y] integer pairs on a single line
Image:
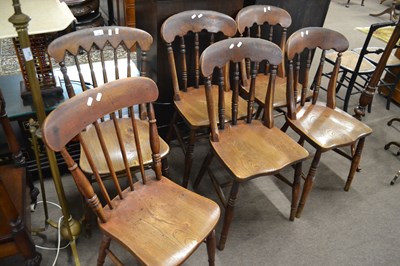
{"points": [[9, 62], [382, 33], [8, 59]]}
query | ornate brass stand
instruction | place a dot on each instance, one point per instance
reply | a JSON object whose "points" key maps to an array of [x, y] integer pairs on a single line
{"points": [[70, 228], [369, 92]]}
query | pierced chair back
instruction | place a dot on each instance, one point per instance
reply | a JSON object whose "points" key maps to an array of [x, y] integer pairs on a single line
{"points": [[96, 56], [128, 218], [305, 41]]}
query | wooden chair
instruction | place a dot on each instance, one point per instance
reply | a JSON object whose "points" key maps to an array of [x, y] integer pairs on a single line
{"points": [[322, 124], [156, 220], [94, 56], [270, 23], [247, 148], [358, 65], [192, 31], [15, 238]]}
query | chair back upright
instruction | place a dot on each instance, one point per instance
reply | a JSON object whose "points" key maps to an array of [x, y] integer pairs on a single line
{"points": [[267, 22], [192, 31], [95, 56], [301, 45], [235, 50], [69, 119]]}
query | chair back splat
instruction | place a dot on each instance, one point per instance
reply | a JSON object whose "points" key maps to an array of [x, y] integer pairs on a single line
{"points": [[305, 41], [232, 50], [186, 28], [129, 211], [269, 23]]}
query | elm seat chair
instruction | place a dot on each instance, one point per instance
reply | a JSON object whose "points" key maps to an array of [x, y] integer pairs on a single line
{"points": [[98, 55], [247, 148], [320, 123], [192, 31], [156, 220], [270, 23]]}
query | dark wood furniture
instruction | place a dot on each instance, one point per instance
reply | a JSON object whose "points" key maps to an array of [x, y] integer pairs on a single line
{"points": [[86, 12], [247, 148], [186, 30], [119, 12], [390, 10], [321, 123], [156, 220], [15, 238]]}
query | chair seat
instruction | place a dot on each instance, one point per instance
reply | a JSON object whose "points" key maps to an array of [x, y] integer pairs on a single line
{"points": [[108, 130], [374, 58], [169, 220], [349, 62], [280, 90], [326, 128], [263, 151], [193, 106]]}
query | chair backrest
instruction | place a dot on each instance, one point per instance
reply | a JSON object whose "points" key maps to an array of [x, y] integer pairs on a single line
{"points": [[235, 50], [95, 56], [267, 22], [300, 46], [192, 30], [72, 117]]}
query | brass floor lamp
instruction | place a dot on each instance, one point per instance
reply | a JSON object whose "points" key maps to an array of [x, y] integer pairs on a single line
{"points": [[70, 228]]}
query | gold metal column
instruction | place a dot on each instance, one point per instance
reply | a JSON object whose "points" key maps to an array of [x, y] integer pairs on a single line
{"points": [[70, 228]]}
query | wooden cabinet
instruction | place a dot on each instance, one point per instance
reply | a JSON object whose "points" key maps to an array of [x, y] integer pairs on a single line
{"points": [[119, 12]]}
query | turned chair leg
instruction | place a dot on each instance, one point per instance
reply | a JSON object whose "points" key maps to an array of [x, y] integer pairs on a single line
{"points": [[228, 215], [354, 163], [105, 245], [171, 127], [309, 182], [211, 246], [204, 166], [295, 190], [189, 158]]}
